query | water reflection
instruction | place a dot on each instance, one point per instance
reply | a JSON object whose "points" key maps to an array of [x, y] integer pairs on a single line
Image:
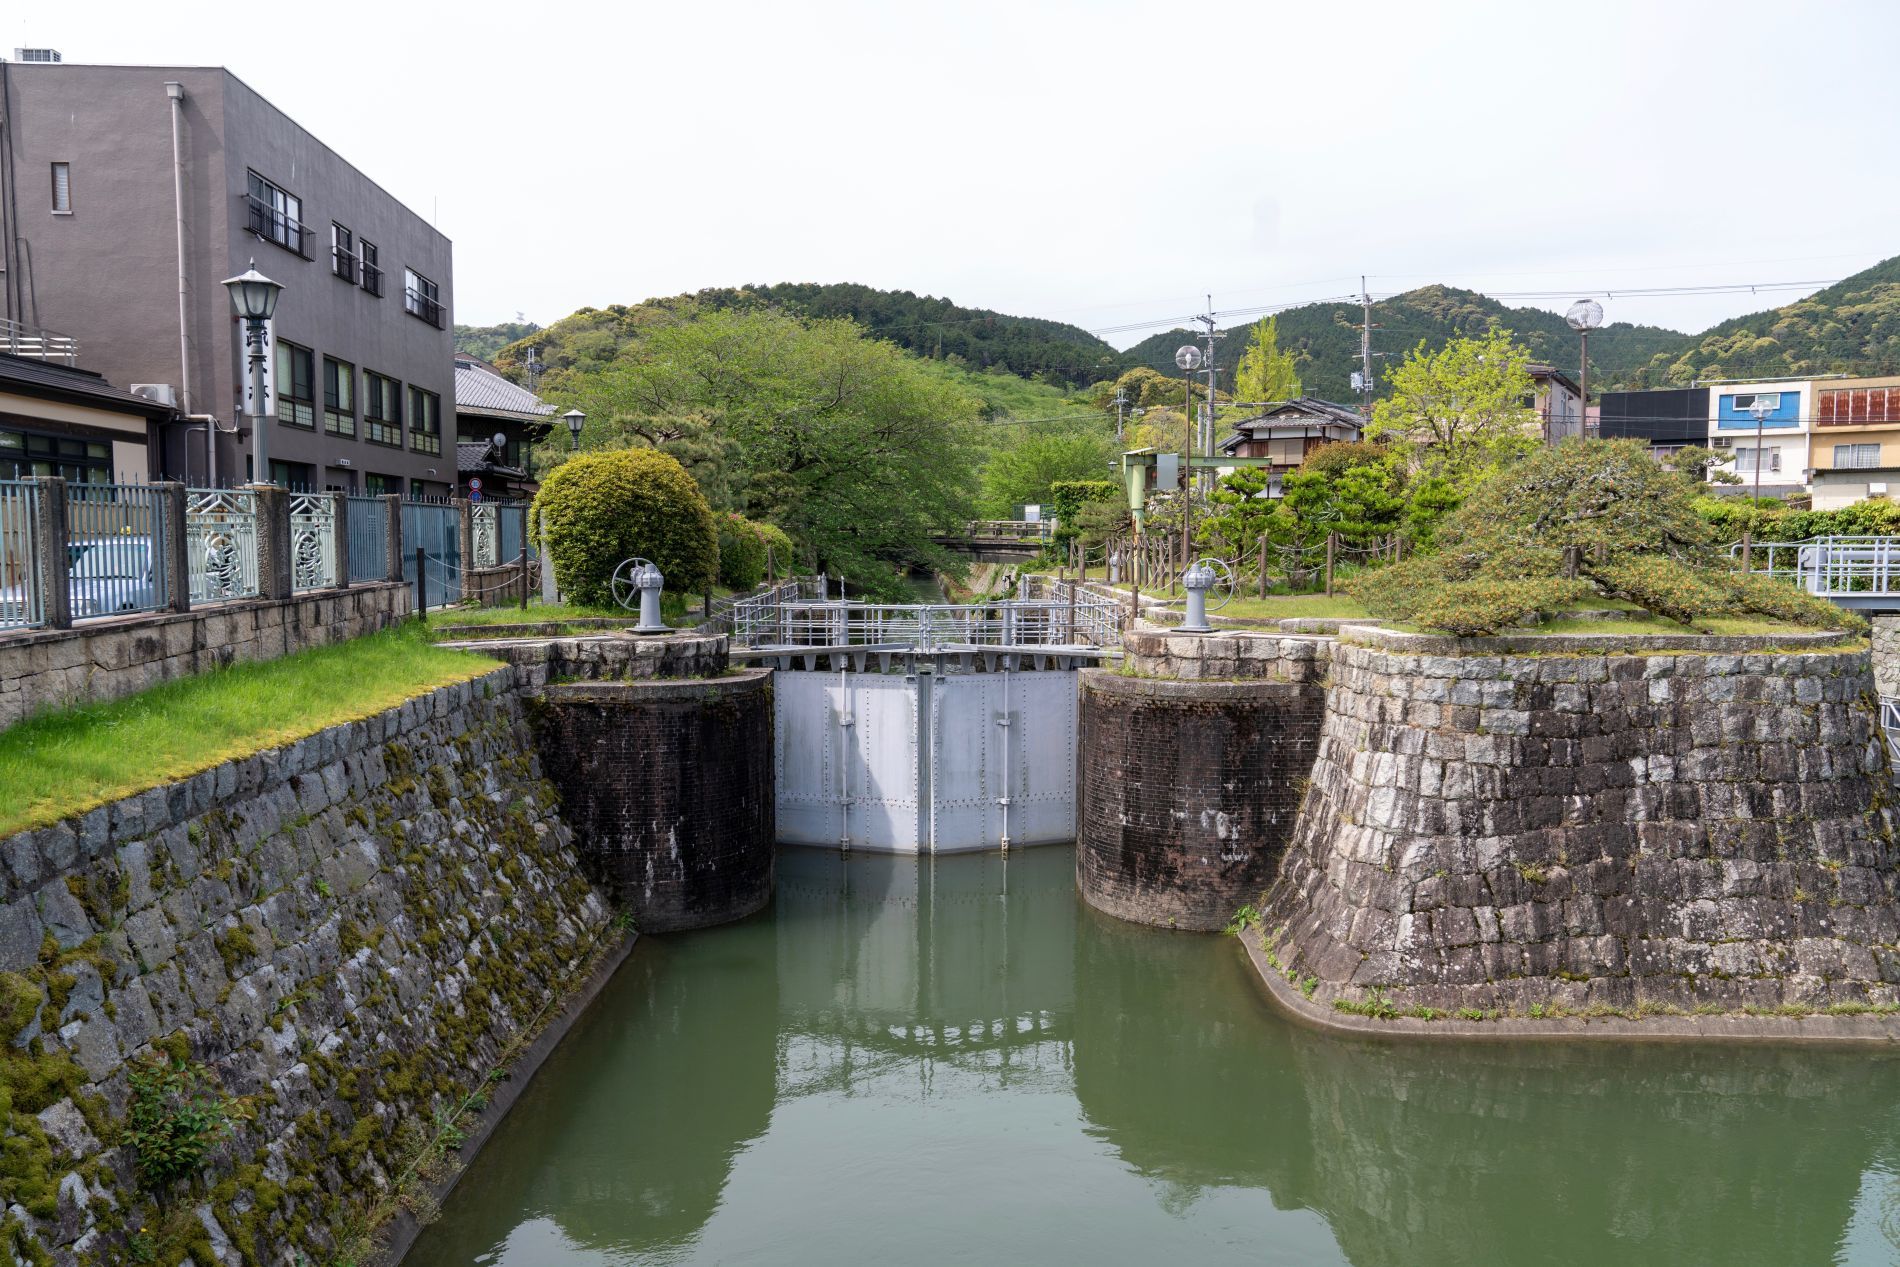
{"points": [[908, 1059]]}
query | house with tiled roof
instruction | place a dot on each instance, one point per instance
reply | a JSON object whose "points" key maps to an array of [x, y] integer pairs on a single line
{"points": [[497, 424]]}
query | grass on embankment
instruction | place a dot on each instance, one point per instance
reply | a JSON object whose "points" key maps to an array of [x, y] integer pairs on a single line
{"points": [[64, 763]]}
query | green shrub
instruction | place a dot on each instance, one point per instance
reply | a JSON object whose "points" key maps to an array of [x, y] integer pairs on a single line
{"points": [[1782, 600], [1661, 585], [741, 553], [601, 509], [1484, 606], [174, 1119], [781, 557], [1068, 497]]}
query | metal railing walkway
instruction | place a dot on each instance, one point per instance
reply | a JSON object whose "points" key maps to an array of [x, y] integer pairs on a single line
{"points": [[1856, 572]]}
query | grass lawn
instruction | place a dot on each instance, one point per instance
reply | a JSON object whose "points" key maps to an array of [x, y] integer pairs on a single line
{"points": [[1659, 625], [58, 764], [1285, 606], [535, 613]]}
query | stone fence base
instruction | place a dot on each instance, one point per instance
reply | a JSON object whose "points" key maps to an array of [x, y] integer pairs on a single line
{"points": [[105, 659]]}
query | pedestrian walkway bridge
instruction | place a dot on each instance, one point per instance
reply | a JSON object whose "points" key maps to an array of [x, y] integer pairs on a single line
{"points": [[924, 727], [1862, 573]]}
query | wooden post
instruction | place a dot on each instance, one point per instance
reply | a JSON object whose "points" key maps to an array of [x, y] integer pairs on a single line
{"points": [[1263, 565], [422, 587], [524, 575], [1332, 543]]}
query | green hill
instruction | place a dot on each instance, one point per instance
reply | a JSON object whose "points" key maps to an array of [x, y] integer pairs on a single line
{"points": [[1326, 337], [1851, 327], [485, 341]]}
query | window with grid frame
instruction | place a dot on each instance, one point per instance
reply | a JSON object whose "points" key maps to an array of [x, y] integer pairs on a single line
{"points": [[425, 421], [343, 258], [422, 297], [372, 272], [382, 409], [1747, 457], [296, 386], [1852, 457], [339, 397]]}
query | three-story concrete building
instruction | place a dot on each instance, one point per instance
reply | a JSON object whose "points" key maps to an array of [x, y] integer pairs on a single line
{"points": [[131, 192]]}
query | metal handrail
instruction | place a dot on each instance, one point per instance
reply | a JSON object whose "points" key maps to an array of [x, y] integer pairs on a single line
{"points": [[1073, 619], [1829, 567], [36, 344]]}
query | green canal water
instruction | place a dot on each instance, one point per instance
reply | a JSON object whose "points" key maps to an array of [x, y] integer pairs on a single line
{"points": [[956, 1060]]}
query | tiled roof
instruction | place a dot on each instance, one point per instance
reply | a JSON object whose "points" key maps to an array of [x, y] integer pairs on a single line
{"points": [[31, 377], [472, 459], [479, 389]]}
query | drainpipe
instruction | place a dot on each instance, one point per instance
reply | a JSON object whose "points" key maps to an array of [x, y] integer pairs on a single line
{"points": [[176, 92], [1003, 721]]}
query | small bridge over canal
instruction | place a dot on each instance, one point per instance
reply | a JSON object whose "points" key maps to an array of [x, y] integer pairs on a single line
{"points": [[924, 727], [1000, 540]]}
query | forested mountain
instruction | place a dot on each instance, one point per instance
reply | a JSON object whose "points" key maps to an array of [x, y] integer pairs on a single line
{"points": [[1027, 346], [1326, 339], [1853, 327], [485, 341]]}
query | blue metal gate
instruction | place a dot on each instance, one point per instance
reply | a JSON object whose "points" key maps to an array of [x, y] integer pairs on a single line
{"points": [[435, 530]]}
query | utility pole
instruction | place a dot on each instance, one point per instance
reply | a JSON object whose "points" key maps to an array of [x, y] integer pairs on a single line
{"points": [[1121, 403], [1365, 350], [1208, 336]]}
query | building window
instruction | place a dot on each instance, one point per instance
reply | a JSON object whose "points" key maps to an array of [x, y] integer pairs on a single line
{"points": [[343, 260], [425, 421], [1745, 459], [295, 476], [1847, 407], [277, 216], [372, 275], [62, 189], [1856, 456], [381, 485], [296, 379], [382, 410], [339, 397], [23, 453], [421, 297], [1770, 401]]}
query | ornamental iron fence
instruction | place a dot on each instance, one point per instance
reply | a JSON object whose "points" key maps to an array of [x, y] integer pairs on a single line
{"points": [[221, 544], [22, 604], [313, 541]]}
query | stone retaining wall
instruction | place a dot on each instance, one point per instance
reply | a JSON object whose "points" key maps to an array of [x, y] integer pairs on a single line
{"points": [[1487, 830], [346, 932], [1886, 638], [106, 659], [1189, 792], [1264, 656], [668, 786]]}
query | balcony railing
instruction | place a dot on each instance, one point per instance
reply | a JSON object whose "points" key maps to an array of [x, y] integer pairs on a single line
{"points": [[373, 280], [345, 264], [276, 226], [37, 344], [420, 305]]}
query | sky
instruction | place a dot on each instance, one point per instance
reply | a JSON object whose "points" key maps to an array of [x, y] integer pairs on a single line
{"points": [[1105, 164]]}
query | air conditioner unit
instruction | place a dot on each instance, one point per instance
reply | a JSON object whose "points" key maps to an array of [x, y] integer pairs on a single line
{"points": [[158, 393], [1877, 489], [36, 55]]}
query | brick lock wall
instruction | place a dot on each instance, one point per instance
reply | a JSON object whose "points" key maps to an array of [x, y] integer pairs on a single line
{"points": [[667, 786], [1189, 793]]}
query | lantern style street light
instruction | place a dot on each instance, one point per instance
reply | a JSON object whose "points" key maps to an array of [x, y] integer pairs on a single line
{"points": [[1584, 316], [575, 419], [1759, 408], [254, 302]]}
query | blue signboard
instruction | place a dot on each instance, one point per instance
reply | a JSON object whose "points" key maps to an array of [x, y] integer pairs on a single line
{"points": [[1733, 412]]}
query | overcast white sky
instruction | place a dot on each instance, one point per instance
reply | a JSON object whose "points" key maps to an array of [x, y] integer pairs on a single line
{"points": [[1103, 163]]}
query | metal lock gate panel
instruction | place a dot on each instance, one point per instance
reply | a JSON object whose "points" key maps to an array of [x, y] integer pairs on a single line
{"points": [[923, 763]]}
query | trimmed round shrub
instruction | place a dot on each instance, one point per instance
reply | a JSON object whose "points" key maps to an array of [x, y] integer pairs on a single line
{"points": [[741, 553], [602, 508]]}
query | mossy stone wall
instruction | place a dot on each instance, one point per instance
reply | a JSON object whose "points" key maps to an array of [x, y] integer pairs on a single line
{"points": [[346, 932]]}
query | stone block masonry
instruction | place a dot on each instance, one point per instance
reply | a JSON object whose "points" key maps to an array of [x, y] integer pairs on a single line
{"points": [[1189, 793], [668, 785], [1492, 828], [110, 658], [347, 932]]}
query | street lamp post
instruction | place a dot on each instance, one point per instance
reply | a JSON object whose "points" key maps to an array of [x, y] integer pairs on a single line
{"points": [[254, 301], [575, 420], [1584, 316], [1760, 410]]}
